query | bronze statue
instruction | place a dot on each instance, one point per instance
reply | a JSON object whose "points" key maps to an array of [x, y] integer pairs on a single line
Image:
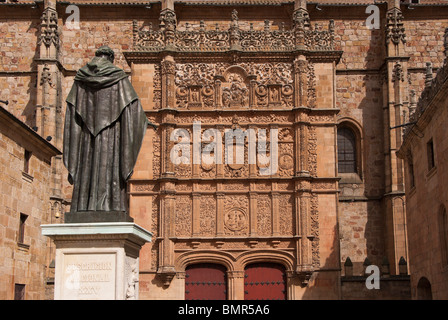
{"points": [[104, 129]]}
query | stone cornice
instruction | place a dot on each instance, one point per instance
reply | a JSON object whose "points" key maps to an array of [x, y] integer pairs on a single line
{"points": [[8, 120]]}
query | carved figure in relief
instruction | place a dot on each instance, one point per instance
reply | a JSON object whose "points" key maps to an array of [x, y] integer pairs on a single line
{"points": [[235, 219]]}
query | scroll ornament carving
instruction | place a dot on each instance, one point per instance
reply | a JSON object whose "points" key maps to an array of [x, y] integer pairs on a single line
{"points": [[315, 232], [202, 39], [156, 169], [207, 215], [264, 215], [155, 231], [286, 214], [183, 216], [312, 151], [157, 98], [146, 37], [311, 92]]}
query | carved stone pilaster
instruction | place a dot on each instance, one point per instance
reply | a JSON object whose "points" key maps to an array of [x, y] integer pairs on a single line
{"points": [[168, 71], [234, 32], [301, 82], [301, 22], [168, 23]]}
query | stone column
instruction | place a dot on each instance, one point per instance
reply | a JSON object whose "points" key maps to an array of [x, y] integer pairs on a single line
{"points": [[235, 290], [395, 101]]}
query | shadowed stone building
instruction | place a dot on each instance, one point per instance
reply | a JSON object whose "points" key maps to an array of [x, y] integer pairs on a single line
{"points": [[330, 94], [424, 151], [25, 203]]}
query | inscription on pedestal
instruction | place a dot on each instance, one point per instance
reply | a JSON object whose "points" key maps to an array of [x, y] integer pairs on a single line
{"points": [[88, 276]]}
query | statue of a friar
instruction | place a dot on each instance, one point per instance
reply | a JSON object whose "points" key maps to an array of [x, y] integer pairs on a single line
{"points": [[104, 129]]}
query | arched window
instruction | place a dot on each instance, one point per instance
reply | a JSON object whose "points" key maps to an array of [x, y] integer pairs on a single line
{"points": [[347, 156]]}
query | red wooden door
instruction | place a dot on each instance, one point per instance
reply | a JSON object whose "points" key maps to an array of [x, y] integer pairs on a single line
{"points": [[205, 281], [265, 281]]}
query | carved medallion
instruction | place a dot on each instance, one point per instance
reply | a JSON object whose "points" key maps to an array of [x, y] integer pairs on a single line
{"points": [[235, 219], [286, 161]]}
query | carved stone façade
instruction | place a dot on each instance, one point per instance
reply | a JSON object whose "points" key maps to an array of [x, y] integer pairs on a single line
{"points": [[237, 79]]}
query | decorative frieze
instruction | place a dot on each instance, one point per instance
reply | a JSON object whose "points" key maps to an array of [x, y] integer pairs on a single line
{"points": [[202, 39]]}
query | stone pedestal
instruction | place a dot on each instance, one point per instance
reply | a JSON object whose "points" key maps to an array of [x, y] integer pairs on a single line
{"points": [[97, 261]]}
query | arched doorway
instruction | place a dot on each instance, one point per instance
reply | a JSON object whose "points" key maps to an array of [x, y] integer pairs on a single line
{"points": [[205, 281], [424, 289], [265, 281]]}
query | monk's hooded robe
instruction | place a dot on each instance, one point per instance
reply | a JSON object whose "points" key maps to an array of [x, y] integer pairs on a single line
{"points": [[104, 129]]}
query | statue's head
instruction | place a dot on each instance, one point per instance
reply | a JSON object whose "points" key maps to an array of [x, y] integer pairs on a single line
{"points": [[106, 52]]}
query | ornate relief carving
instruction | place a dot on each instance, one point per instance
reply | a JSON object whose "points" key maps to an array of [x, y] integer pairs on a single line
{"points": [[236, 186], [145, 38], [398, 73], [286, 205], [49, 33], [157, 98], [182, 170], [312, 151], [201, 85], [183, 217], [235, 215], [132, 272], [395, 30], [274, 86], [315, 231], [155, 232], [207, 215], [203, 186], [216, 40], [168, 67], [321, 118], [311, 86], [235, 92], [264, 186], [264, 215], [285, 135], [235, 220], [286, 159], [195, 85], [285, 186], [323, 185], [183, 187], [144, 187], [156, 170]]}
